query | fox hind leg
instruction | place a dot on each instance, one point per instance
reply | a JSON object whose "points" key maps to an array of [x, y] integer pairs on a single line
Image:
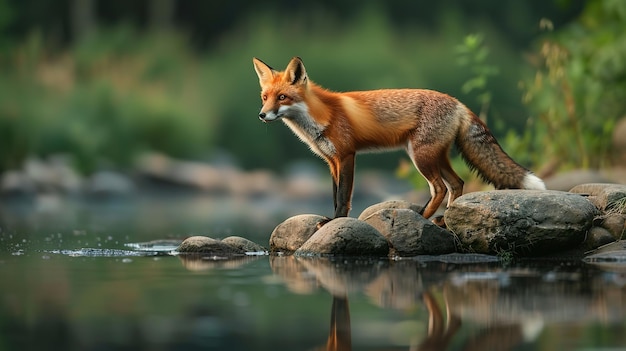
{"points": [[434, 165], [437, 187], [426, 160], [453, 182]]}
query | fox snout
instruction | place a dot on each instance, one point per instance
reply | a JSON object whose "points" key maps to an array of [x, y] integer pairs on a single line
{"points": [[268, 116]]}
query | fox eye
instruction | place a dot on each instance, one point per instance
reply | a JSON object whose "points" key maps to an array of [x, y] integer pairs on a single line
{"points": [[264, 97], [282, 97]]}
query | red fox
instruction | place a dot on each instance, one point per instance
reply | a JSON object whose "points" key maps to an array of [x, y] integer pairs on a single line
{"points": [[424, 122]]}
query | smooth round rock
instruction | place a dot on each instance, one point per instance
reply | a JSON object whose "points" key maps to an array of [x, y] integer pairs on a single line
{"points": [[391, 204], [345, 236], [410, 234], [243, 244], [289, 235], [210, 246]]}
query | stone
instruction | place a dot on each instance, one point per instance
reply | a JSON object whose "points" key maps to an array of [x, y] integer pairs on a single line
{"points": [[596, 237], [605, 196], [289, 235], [526, 222], [391, 204], [614, 223], [243, 244], [208, 246], [345, 236], [611, 257], [410, 234]]}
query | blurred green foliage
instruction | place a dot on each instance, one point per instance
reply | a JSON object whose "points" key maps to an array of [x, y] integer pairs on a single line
{"points": [[111, 97], [120, 90], [577, 92], [472, 54], [365, 53]]}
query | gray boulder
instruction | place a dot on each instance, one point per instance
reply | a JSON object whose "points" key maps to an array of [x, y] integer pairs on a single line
{"points": [[410, 234], [345, 237], [528, 222]]}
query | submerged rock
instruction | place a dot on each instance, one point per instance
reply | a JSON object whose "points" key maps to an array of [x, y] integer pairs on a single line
{"points": [[243, 244], [611, 257], [210, 246], [526, 222]]}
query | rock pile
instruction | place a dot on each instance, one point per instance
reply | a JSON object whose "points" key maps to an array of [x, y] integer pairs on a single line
{"points": [[524, 223], [521, 223]]}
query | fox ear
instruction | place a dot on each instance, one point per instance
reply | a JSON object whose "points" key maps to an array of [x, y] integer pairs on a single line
{"points": [[264, 71], [295, 72]]}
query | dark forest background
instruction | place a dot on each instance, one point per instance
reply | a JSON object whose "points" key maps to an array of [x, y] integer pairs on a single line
{"points": [[106, 81]]}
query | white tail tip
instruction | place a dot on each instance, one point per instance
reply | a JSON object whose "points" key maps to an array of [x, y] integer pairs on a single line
{"points": [[532, 182]]}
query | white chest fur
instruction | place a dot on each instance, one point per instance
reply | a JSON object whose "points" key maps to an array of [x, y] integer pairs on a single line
{"points": [[297, 118]]}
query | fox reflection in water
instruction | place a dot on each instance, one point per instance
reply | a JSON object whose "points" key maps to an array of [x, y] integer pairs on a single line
{"points": [[439, 333], [402, 286]]}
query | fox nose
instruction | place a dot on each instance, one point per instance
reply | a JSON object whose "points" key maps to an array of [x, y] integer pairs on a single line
{"points": [[262, 115]]}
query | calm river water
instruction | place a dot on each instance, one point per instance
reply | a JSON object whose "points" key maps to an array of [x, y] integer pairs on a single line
{"points": [[72, 280]]}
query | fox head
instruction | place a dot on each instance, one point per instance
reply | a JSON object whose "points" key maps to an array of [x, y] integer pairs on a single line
{"points": [[281, 92]]}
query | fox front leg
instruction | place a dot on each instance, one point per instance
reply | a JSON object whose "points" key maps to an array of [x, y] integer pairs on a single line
{"points": [[342, 172]]}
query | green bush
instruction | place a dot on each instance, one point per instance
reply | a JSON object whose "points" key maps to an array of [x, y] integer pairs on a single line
{"points": [[577, 93]]}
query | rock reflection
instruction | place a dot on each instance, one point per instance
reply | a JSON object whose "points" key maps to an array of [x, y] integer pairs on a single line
{"points": [[498, 309], [198, 262]]}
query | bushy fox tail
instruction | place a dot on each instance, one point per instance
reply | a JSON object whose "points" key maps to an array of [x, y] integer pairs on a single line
{"points": [[482, 153]]}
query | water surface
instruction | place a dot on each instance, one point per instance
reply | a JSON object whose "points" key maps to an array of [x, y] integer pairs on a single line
{"points": [[71, 281]]}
